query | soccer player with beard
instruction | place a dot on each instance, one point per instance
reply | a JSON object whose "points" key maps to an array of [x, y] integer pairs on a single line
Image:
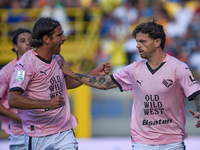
{"points": [[38, 88], [160, 86]]}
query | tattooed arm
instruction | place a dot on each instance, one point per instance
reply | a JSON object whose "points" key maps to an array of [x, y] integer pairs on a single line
{"points": [[103, 69], [196, 114], [95, 78], [100, 82]]}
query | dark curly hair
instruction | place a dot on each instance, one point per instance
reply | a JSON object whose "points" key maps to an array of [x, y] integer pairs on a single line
{"points": [[43, 26], [154, 30], [16, 33]]}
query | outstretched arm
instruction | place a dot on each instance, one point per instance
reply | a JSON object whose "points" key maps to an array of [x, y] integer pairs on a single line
{"points": [[100, 82], [96, 81], [102, 70], [196, 114]]}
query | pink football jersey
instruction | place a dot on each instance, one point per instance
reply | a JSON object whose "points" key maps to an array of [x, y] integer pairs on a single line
{"points": [[10, 126], [38, 79], [159, 98]]}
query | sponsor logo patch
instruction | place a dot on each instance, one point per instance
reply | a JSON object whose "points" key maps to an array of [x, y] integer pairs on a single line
{"points": [[20, 75]]}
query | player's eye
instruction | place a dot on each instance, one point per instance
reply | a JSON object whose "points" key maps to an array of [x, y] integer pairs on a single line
{"points": [[22, 40]]}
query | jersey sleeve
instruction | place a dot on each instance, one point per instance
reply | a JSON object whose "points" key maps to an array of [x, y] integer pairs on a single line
{"points": [[189, 84], [23, 73], [4, 84], [123, 78]]}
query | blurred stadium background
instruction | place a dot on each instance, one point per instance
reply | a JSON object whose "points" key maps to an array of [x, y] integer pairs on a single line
{"points": [[98, 31]]}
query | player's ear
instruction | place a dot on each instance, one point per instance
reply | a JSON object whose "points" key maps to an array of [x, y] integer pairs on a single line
{"points": [[157, 42], [46, 39], [15, 47]]}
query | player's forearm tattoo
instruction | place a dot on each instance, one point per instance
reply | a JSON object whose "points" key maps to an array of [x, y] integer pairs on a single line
{"points": [[197, 102], [80, 76], [101, 82], [93, 80]]}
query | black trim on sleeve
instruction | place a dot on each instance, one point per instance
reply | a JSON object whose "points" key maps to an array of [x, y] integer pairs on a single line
{"points": [[191, 97], [120, 87], [17, 89]]}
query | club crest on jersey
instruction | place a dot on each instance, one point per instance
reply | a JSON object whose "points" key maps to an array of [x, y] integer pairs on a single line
{"points": [[167, 82], [20, 75]]}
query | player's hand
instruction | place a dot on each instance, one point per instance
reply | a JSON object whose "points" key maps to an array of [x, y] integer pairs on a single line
{"points": [[55, 102], [196, 115], [103, 69], [65, 68]]}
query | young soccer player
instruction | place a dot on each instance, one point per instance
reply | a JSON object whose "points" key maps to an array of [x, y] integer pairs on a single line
{"points": [[160, 85], [11, 123], [38, 88]]}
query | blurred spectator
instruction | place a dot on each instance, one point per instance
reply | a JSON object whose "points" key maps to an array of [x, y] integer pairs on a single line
{"points": [[56, 10], [161, 13], [119, 30], [183, 16], [107, 21], [127, 13], [172, 28], [189, 41], [131, 50], [109, 5], [72, 3], [194, 24], [145, 11], [94, 3], [115, 49], [15, 14], [194, 61], [172, 46], [5, 3]]}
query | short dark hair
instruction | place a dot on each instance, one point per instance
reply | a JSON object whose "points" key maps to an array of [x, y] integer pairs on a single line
{"points": [[43, 26], [16, 33], [154, 30]]}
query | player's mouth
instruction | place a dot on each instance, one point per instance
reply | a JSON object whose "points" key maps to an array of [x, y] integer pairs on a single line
{"points": [[141, 52], [28, 48]]}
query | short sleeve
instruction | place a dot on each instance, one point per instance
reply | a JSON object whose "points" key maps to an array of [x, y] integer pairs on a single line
{"points": [[4, 84], [23, 73], [123, 78], [188, 83]]}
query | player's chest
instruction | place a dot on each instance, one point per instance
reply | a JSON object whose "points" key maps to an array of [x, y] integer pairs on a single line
{"points": [[48, 74], [160, 81]]}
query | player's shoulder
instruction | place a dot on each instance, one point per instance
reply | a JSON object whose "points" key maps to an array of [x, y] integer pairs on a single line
{"points": [[7, 71], [8, 67], [175, 62], [28, 57], [28, 60], [139, 63], [136, 65]]}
